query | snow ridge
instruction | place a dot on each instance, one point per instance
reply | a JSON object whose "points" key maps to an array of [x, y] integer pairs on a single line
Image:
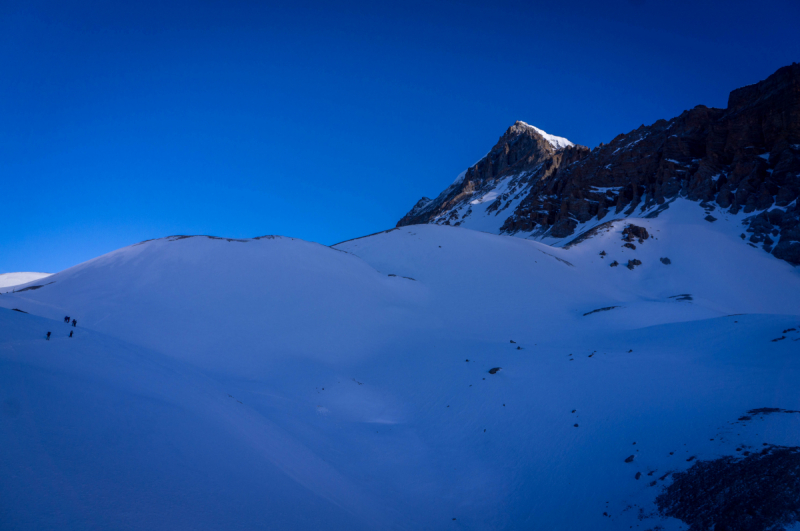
{"points": [[557, 142]]}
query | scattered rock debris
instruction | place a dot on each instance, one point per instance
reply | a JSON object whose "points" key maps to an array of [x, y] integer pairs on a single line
{"points": [[633, 263], [665, 261], [629, 246], [614, 263], [494, 370], [513, 341], [629, 459], [759, 492], [710, 218], [764, 411], [638, 475]]}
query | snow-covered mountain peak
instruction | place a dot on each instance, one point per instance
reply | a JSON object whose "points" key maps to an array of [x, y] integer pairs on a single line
{"points": [[519, 155], [557, 142], [729, 161]]}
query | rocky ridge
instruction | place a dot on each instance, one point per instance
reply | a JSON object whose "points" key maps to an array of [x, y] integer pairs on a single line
{"points": [[745, 158]]}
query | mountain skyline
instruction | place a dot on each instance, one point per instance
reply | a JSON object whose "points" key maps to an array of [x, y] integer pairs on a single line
{"points": [[742, 158], [123, 123]]}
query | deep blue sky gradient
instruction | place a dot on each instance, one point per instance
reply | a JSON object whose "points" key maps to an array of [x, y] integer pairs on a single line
{"points": [[124, 121]]}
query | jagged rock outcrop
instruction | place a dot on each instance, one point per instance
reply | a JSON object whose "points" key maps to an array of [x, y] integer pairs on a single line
{"points": [[745, 158], [523, 152]]}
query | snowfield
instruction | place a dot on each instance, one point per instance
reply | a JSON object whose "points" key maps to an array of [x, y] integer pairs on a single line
{"points": [[275, 383], [11, 280]]}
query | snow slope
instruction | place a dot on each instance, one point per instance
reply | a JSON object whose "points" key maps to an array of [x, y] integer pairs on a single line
{"points": [[10, 280], [277, 383], [100, 434]]}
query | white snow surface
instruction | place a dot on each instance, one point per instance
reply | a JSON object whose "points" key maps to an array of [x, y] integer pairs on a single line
{"points": [[556, 141], [10, 280], [282, 384]]}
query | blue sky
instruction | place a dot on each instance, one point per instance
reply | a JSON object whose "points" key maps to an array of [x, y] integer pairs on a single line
{"points": [[323, 120]]}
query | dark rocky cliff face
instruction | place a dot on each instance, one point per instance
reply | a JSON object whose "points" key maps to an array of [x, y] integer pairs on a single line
{"points": [[744, 158]]}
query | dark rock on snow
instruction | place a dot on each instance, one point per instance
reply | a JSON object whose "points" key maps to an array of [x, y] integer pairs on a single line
{"points": [[634, 232], [754, 493], [633, 263], [600, 310]]}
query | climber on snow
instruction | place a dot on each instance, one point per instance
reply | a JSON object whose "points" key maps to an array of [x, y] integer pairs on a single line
{"points": [[48, 336], [74, 322]]}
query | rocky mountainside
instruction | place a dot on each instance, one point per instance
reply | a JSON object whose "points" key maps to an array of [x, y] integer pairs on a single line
{"points": [[742, 159]]}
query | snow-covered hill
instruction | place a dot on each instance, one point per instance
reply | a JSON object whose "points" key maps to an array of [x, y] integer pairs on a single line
{"points": [[11, 280], [280, 384]]}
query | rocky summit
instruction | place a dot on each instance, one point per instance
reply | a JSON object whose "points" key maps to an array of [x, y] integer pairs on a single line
{"points": [[744, 159]]}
